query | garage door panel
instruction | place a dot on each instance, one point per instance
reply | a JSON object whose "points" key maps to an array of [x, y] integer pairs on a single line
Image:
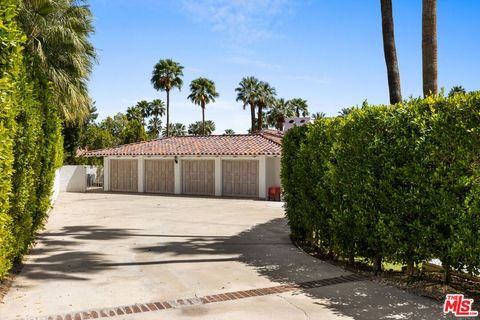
{"points": [[124, 175], [240, 178], [198, 177], [159, 176]]}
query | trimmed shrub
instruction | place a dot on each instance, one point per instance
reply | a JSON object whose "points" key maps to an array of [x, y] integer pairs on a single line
{"points": [[27, 161], [398, 183], [11, 41], [31, 144]]}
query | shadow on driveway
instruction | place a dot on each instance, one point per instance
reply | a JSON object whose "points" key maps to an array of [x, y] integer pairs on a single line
{"points": [[265, 247]]}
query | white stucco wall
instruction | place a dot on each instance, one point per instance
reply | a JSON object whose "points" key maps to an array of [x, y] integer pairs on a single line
{"points": [[56, 187], [69, 179], [72, 179], [272, 172]]}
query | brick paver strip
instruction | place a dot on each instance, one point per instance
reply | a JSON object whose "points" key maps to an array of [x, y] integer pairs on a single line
{"points": [[226, 296]]}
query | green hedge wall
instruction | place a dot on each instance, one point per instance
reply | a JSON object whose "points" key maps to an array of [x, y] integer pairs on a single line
{"points": [[393, 183], [31, 145], [10, 61]]}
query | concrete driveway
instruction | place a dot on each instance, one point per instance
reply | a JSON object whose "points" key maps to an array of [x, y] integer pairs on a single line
{"points": [[157, 257]]}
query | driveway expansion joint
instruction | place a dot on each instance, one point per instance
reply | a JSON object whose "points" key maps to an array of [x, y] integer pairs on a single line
{"points": [[225, 296]]}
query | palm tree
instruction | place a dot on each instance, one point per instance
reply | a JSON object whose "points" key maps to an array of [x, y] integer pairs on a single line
{"points": [[229, 132], [134, 113], [176, 129], [154, 127], [390, 52], [281, 109], [155, 110], [318, 115], [456, 90], [247, 92], [202, 92], [265, 99], [140, 111], [429, 47], [167, 75], [59, 50], [144, 108], [199, 128], [300, 106]]}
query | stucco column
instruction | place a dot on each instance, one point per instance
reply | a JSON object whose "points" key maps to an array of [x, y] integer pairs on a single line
{"points": [[106, 174], [177, 176], [262, 177], [218, 176], [141, 174]]}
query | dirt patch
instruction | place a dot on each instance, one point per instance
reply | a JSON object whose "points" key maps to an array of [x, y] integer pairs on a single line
{"points": [[6, 282]]}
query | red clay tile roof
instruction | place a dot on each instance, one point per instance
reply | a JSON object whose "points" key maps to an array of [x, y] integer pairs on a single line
{"points": [[274, 135], [237, 145]]}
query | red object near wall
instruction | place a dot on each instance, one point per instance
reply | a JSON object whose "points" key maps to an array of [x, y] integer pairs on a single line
{"points": [[274, 193]]}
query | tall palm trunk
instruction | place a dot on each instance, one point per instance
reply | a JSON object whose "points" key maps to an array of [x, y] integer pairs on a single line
{"points": [[168, 112], [260, 118], [390, 52], [429, 47], [252, 115], [203, 119]]}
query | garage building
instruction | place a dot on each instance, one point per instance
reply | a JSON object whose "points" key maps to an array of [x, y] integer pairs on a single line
{"points": [[218, 165]]}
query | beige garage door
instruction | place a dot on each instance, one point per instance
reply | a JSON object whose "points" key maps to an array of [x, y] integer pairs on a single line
{"points": [[124, 175], [159, 176], [240, 178], [198, 177]]}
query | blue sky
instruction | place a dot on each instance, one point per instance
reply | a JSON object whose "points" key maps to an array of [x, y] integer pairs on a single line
{"points": [[328, 52]]}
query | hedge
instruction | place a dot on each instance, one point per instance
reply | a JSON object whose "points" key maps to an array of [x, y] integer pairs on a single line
{"points": [[393, 183], [10, 61], [31, 146]]}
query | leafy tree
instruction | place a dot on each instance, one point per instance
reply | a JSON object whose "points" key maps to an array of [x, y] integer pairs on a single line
{"points": [[247, 92], [176, 129], [197, 128], [116, 127], [429, 47], [229, 132], [390, 52], [59, 49], [276, 115], [265, 99], [123, 130], [73, 133], [202, 92], [156, 109], [95, 137], [134, 132], [300, 106], [166, 76], [455, 90]]}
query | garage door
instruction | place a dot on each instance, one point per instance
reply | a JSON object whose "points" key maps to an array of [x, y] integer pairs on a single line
{"points": [[159, 176], [123, 175], [198, 177], [240, 178]]}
